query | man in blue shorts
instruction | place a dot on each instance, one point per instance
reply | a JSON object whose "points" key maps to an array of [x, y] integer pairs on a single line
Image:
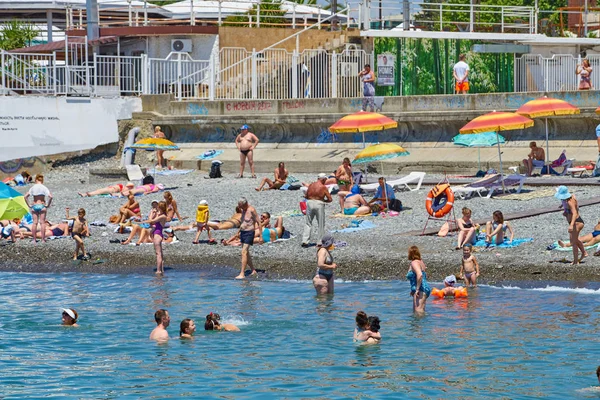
{"points": [[250, 223]]}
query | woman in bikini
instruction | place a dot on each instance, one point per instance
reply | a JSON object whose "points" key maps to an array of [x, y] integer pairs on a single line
{"points": [[466, 229], [270, 233], [144, 189], [343, 175], [590, 239], [571, 213], [39, 192], [234, 222], [129, 209], [497, 228], [352, 203], [172, 210], [323, 280], [112, 190]]}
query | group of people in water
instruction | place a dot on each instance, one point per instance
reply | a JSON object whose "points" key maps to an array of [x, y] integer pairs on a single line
{"points": [[187, 327]]}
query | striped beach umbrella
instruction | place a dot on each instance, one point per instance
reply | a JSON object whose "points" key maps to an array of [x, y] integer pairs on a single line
{"points": [[547, 107], [12, 203], [497, 121], [363, 121], [598, 110]]}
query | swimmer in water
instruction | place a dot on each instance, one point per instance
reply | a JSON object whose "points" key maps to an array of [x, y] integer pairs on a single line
{"points": [[449, 286], [69, 317], [469, 267], [374, 327], [187, 329], [213, 323], [163, 320], [362, 332]]}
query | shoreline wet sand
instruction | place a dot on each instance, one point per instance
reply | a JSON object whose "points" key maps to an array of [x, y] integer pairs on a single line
{"points": [[378, 253]]}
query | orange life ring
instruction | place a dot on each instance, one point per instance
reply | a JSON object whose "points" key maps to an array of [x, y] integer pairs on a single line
{"points": [[436, 195]]}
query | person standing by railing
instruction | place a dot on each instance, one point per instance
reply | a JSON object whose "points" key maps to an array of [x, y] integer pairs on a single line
{"points": [[368, 78], [584, 70], [461, 75]]}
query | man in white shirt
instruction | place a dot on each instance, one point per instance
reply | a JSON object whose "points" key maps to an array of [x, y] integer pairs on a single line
{"points": [[461, 75]]}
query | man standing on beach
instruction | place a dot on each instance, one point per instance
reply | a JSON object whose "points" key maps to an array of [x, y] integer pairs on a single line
{"points": [[163, 320], [317, 195], [461, 75], [246, 142], [250, 222]]}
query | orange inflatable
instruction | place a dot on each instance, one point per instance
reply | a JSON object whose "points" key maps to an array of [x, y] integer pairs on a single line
{"points": [[459, 292], [440, 200]]}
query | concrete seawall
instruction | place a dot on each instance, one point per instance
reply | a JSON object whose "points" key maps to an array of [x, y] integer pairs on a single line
{"points": [[296, 130]]}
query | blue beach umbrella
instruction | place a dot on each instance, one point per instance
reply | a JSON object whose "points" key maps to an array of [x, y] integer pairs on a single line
{"points": [[12, 203], [484, 139]]}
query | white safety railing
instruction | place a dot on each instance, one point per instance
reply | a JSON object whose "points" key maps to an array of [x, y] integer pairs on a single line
{"points": [[179, 75], [117, 75], [443, 17], [535, 73], [27, 73]]}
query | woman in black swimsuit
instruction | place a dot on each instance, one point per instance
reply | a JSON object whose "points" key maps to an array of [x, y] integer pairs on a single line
{"points": [[571, 213], [323, 280], [466, 229]]}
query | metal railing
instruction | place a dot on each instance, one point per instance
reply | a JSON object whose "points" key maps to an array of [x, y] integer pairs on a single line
{"points": [[451, 17], [535, 73]]}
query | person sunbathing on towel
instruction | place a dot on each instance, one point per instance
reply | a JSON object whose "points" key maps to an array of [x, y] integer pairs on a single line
{"points": [[352, 203], [144, 189], [268, 232], [56, 230], [117, 189], [233, 222], [10, 230], [281, 175], [590, 239]]}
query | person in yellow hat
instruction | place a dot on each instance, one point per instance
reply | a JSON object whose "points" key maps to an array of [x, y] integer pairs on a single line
{"points": [[202, 215]]}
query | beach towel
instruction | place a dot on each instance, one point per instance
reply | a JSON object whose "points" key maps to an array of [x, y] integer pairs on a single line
{"points": [[207, 155], [340, 215], [505, 245], [555, 246], [355, 226]]}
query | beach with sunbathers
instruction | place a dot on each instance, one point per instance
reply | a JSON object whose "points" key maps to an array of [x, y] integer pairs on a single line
{"points": [[372, 253]]}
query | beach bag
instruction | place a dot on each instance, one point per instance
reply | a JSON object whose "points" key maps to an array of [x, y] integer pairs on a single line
{"points": [[444, 230], [303, 207], [215, 170], [148, 180], [395, 205], [294, 186], [202, 214]]}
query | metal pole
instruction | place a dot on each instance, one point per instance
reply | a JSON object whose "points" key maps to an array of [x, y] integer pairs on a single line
{"points": [[295, 74], [258, 15], [254, 75], [294, 16], [129, 13], [500, 158], [405, 15], [547, 145], [49, 25], [471, 17], [192, 16], [585, 22], [2, 64], [145, 13], [220, 16], [179, 73]]}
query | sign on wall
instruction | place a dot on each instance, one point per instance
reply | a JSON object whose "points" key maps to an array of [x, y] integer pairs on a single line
{"points": [[39, 126], [386, 63]]}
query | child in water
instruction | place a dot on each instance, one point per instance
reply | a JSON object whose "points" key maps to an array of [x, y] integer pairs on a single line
{"points": [[363, 332], [374, 327], [469, 267]]}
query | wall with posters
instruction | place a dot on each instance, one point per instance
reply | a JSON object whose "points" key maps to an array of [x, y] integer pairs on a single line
{"points": [[424, 66], [32, 126]]}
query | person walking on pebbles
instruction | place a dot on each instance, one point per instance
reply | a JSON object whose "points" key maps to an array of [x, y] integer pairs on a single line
{"points": [[571, 213], [317, 195], [246, 142], [250, 222]]}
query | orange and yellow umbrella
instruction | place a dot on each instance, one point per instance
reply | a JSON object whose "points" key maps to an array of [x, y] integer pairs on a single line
{"points": [[378, 152], [546, 107], [497, 121], [598, 110], [363, 121], [152, 144]]}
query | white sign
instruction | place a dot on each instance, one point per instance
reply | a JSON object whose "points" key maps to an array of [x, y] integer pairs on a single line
{"points": [[386, 65], [40, 126]]}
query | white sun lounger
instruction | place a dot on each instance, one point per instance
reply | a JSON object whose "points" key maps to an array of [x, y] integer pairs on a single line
{"points": [[134, 173], [478, 187], [413, 177], [511, 182]]}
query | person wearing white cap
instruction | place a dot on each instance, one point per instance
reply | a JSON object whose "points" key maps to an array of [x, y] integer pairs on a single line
{"points": [[317, 195], [246, 142], [571, 213], [69, 317]]}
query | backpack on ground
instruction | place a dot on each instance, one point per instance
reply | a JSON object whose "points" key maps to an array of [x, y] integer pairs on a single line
{"points": [[395, 205], [215, 170]]}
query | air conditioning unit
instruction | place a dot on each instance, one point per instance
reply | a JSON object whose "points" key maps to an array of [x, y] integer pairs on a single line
{"points": [[181, 45]]}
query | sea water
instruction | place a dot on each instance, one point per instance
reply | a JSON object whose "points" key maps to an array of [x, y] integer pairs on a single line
{"points": [[510, 341]]}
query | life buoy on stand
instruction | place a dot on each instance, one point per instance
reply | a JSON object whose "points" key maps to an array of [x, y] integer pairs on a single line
{"points": [[440, 201]]}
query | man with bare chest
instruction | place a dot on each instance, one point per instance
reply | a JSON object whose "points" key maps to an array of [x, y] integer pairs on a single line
{"points": [[317, 195], [246, 142]]}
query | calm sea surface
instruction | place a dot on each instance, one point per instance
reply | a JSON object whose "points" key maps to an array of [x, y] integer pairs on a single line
{"points": [[501, 342]]}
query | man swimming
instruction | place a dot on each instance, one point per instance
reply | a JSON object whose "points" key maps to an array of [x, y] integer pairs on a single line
{"points": [[163, 320]]}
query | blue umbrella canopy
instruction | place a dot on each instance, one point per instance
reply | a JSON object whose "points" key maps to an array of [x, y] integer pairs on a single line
{"points": [[485, 139], [12, 203]]}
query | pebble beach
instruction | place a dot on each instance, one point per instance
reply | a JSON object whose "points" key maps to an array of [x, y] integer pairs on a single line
{"points": [[373, 254]]}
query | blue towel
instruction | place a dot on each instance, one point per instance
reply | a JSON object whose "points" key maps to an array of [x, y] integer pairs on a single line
{"points": [[356, 226], [505, 245], [209, 154]]}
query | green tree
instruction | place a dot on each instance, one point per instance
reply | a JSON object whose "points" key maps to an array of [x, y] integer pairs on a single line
{"points": [[16, 34], [271, 15]]}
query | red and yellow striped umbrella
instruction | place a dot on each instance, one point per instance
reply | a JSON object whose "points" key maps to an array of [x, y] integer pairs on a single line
{"points": [[362, 122], [546, 107], [497, 121]]}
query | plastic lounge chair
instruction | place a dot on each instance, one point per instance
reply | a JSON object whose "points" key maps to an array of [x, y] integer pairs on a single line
{"points": [[134, 173], [511, 182], [479, 186], [413, 177]]}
